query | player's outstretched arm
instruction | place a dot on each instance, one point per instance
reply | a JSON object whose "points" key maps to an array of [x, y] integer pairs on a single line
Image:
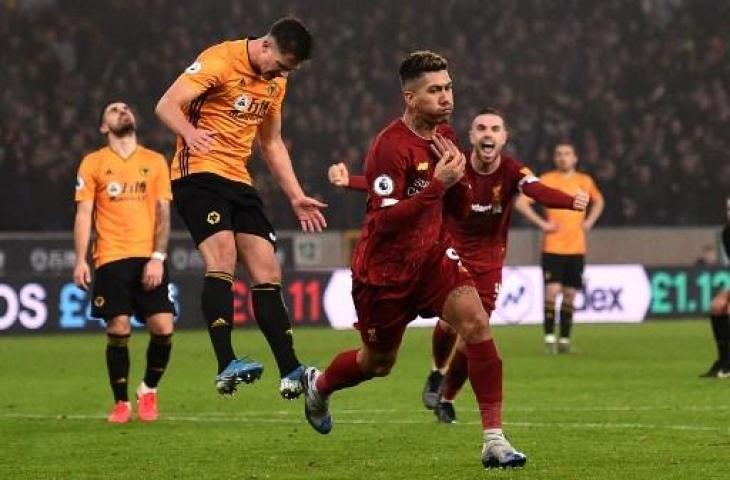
{"points": [[169, 110], [277, 158], [82, 236], [524, 205]]}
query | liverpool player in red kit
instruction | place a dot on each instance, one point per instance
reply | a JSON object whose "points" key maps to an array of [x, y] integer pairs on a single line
{"points": [[404, 263], [480, 239]]}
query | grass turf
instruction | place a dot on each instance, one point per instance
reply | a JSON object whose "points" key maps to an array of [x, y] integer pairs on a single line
{"points": [[626, 405]]}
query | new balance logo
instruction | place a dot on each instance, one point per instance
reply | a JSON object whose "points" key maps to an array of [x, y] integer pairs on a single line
{"points": [[513, 298]]}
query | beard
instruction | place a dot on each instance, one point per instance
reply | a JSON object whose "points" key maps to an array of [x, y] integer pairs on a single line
{"points": [[123, 129]]}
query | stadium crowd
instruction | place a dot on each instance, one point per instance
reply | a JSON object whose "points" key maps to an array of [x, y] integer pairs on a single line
{"points": [[637, 85]]}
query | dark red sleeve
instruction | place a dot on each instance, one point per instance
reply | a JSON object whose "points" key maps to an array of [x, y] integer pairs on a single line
{"points": [[358, 182], [395, 217], [548, 196]]}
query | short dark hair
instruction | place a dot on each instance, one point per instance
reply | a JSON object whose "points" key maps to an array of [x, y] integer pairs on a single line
{"points": [[493, 111], [292, 38], [417, 63], [565, 143]]}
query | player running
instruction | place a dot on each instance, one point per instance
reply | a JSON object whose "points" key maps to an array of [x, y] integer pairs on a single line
{"points": [[124, 190], [229, 97], [404, 263]]}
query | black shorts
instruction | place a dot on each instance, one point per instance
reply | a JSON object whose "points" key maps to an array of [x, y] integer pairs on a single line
{"points": [[118, 291], [209, 204], [564, 269]]}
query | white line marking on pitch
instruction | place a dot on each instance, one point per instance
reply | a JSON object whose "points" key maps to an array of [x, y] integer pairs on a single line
{"points": [[254, 420]]}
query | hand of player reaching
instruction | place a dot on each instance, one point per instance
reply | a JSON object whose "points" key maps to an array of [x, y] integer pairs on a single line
{"points": [[199, 140], [580, 201], [82, 275], [307, 211], [452, 162], [152, 274], [338, 175]]}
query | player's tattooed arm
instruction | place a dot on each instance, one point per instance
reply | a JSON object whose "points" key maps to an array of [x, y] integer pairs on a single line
{"points": [[162, 225]]}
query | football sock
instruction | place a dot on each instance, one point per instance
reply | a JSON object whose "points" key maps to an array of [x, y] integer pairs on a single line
{"points": [[721, 332], [273, 319], [442, 343], [117, 364], [217, 303], [158, 354], [485, 375], [548, 323], [343, 372], [566, 319], [455, 377]]}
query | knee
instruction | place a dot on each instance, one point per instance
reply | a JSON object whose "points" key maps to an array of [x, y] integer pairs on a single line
{"points": [[382, 368], [377, 365], [268, 272], [220, 257], [474, 327], [119, 328]]}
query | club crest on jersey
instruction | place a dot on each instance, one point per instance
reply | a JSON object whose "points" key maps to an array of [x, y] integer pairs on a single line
{"points": [[271, 89], [144, 171], [113, 189], [242, 103], [383, 185], [79, 183], [194, 67]]}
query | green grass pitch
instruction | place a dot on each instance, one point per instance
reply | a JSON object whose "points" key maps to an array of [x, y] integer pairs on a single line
{"points": [[626, 405]]}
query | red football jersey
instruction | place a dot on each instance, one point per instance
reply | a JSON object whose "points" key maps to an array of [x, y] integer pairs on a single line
{"points": [[403, 223], [481, 239]]}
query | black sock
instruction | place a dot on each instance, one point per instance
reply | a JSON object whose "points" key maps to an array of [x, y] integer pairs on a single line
{"points": [[217, 302], [117, 364], [721, 332], [566, 320], [158, 354], [548, 324], [273, 319]]}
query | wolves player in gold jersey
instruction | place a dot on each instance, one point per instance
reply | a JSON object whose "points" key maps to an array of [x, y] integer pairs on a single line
{"points": [[123, 189], [231, 95]]}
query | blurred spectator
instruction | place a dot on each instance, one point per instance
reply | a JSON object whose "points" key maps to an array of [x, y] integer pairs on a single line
{"points": [[642, 88]]}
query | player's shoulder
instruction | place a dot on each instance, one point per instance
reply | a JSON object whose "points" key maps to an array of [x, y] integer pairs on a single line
{"points": [[96, 156], [391, 134], [511, 162], [222, 49], [550, 175], [584, 177]]}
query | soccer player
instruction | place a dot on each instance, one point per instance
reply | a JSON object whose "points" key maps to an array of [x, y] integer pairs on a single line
{"points": [[564, 243], [228, 98], [481, 240], [404, 263], [720, 319], [123, 189]]}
